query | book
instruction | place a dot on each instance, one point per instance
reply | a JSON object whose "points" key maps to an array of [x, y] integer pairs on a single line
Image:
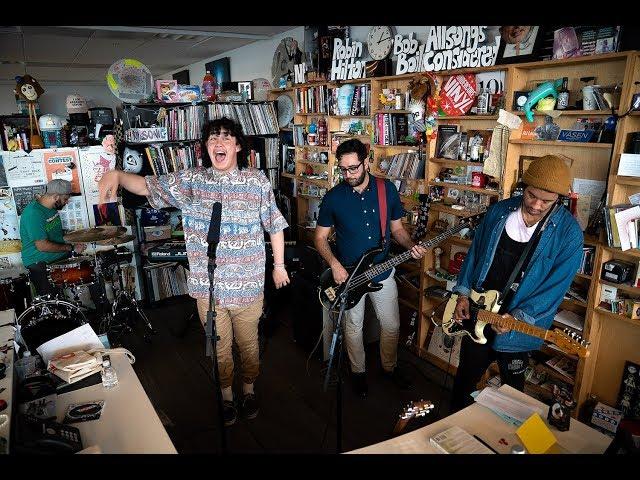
{"points": [[458, 441], [445, 132]]}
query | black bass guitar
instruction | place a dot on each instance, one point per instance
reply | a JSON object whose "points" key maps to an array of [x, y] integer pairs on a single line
{"points": [[365, 271]]}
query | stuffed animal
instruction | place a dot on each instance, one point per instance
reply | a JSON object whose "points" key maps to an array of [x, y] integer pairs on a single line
{"points": [[28, 89]]}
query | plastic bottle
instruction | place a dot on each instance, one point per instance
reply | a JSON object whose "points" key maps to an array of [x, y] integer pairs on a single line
{"points": [[109, 376], [518, 449], [209, 87], [563, 95]]}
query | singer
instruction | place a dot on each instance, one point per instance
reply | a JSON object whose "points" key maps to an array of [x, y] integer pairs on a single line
{"points": [[246, 208]]}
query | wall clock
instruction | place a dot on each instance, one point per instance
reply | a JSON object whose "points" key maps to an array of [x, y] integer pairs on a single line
{"points": [[379, 42]]}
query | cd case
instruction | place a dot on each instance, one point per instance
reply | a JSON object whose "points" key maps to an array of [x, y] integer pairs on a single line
{"points": [[84, 412]]}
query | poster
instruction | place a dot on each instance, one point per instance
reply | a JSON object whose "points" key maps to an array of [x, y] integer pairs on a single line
{"points": [[8, 217], [74, 215], [3, 175], [63, 164], [94, 162], [23, 195], [24, 169]]}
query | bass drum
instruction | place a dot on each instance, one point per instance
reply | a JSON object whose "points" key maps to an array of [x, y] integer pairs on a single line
{"points": [[15, 290], [47, 319]]}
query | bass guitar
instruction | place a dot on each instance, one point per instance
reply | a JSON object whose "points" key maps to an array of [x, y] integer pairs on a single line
{"points": [[365, 271], [412, 410], [483, 310]]}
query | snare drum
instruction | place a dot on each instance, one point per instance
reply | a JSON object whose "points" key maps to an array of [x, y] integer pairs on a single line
{"points": [[72, 271], [15, 290]]}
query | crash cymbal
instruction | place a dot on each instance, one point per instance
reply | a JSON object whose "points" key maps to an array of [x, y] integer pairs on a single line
{"points": [[116, 240], [88, 235]]}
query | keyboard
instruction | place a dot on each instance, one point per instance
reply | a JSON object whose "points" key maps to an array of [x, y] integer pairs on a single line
{"points": [[171, 251]]}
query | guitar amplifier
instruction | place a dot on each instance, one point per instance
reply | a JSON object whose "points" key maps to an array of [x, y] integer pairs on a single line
{"points": [[617, 271]]}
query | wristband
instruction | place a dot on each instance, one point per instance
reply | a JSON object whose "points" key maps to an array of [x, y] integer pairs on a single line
{"points": [[280, 265]]}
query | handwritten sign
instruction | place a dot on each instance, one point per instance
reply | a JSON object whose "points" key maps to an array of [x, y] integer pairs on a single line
{"points": [[146, 135]]}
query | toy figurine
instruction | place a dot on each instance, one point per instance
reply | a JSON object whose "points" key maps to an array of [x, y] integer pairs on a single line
{"points": [[560, 411], [28, 89], [543, 91]]}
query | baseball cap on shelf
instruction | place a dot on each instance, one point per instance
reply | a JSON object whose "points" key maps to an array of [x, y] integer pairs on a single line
{"points": [[76, 104], [58, 187]]}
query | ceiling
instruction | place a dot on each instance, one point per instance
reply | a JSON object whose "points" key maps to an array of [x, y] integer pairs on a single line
{"points": [[84, 54]]}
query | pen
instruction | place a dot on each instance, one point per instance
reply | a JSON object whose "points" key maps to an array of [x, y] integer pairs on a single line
{"points": [[484, 443]]}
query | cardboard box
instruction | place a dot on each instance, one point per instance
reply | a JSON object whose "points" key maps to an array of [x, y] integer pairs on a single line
{"points": [[162, 232], [606, 417]]}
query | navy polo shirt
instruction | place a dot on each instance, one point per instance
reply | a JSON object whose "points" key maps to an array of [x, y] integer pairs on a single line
{"points": [[356, 219]]}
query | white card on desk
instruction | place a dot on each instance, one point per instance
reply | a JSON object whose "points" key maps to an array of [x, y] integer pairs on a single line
{"points": [[81, 338]]}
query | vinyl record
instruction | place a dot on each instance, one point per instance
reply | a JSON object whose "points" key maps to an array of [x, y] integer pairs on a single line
{"points": [[130, 80], [285, 110]]}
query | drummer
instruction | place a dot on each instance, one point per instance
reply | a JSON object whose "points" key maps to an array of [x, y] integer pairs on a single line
{"points": [[41, 234]]}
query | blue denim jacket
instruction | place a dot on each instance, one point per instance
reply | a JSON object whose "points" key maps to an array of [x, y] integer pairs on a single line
{"points": [[551, 269]]}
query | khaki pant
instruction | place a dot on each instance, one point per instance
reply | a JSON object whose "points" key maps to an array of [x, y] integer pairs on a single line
{"points": [[240, 323]]}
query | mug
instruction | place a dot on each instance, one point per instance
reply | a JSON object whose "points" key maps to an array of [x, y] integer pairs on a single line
{"points": [[478, 179]]}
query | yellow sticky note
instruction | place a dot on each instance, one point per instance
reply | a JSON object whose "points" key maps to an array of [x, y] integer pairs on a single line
{"points": [[535, 435]]}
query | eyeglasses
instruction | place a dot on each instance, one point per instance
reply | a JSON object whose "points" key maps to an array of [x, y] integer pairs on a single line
{"points": [[351, 169]]}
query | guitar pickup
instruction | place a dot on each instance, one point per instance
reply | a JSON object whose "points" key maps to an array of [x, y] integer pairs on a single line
{"points": [[330, 293]]}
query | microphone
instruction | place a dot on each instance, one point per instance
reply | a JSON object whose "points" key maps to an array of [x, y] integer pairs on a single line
{"points": [[213, 236]]}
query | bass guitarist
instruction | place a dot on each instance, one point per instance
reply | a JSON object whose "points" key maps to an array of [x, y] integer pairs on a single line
{"points": [[353, 208], [543, 276]]}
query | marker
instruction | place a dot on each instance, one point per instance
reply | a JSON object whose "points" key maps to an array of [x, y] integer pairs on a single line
{"points": [[484, 443]]}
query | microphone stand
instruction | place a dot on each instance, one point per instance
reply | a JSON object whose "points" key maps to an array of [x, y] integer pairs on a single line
{"points": [[336, 340], [211, 346]]}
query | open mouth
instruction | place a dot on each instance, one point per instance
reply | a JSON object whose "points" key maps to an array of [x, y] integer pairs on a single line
{"points": [[220, 156]]}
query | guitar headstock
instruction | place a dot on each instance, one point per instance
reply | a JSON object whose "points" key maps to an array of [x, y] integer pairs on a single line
{"points": [[570, 342], [474, 220], [416, 409]]}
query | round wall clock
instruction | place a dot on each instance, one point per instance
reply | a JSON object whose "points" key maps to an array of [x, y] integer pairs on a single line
{"points": [[379, 42]]}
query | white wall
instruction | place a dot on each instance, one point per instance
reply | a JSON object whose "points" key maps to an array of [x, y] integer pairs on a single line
{"points": [[254, 60], [54, 98]]}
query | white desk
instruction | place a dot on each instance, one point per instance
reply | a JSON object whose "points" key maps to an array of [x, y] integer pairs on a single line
{"points": [[128, 424], [480, 421], [6, 337]]}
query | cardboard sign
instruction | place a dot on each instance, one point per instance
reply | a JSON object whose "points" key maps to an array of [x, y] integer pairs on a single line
{"points": [[575, 135], [146, 135], [458, 93]]}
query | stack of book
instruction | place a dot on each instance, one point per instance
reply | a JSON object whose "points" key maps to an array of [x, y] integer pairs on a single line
{"points": [[622, 223], [184, 123], [391, 129], [166, 158]]}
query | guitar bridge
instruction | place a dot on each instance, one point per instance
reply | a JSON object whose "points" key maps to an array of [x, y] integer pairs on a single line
{"points": [[330, 293]]}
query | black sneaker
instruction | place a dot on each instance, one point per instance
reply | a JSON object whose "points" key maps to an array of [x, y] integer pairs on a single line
{"points": [[250, 405], [229, 412], [360, 384], [398, 377]]}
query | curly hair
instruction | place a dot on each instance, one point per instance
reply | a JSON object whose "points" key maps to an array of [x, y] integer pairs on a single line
{"points": [[235, 130], [352, 146]]}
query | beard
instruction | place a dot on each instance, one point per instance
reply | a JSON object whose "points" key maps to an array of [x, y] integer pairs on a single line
{"points": [[355, 182], [58, 205]]}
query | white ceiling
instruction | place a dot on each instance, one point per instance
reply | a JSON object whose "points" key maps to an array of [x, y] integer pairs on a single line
{"points": [[84, 54]]}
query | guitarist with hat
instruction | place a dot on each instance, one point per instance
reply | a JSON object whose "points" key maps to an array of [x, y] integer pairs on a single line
{"points": [[541, 273], [352, 208]]}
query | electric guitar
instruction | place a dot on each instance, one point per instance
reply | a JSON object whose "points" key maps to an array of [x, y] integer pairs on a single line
{"points": [[483, 308], [413, 409], [365, 271]]}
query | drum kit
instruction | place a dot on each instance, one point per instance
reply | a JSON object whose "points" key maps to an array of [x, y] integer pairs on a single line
{"points": [[51, 315]]}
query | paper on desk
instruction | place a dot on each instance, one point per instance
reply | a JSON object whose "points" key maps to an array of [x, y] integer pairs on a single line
{"points": [[535, 435], [81, 338], [506, 406]]}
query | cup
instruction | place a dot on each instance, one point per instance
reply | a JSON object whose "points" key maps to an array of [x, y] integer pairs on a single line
{"points": [[478, 179], [588, 98]]}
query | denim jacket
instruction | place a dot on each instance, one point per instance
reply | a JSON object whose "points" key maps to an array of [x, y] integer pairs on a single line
{"points": [[547, 278]]}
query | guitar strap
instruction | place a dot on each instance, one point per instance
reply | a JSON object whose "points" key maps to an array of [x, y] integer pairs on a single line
{"points": [[382, 206], [512, 285]]}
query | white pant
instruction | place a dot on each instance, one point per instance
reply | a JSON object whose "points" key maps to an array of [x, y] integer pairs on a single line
{"points": [[385, 304]]}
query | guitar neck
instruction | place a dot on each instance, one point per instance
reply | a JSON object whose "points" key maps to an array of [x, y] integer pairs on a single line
{"points": [[512, 324], [403, 257]]}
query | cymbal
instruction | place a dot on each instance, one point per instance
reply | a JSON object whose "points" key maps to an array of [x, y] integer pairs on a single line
{"points": [[94, 234], [116, 240]]}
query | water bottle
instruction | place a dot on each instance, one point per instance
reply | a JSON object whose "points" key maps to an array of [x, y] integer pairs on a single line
{"points": [[209, 87], [109, 376]]}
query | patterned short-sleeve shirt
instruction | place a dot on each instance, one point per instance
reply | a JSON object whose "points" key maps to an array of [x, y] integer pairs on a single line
{"points": [[248, 209]]}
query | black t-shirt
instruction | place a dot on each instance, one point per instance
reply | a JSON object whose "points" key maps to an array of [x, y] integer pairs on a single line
{"points": [[508, 253]]}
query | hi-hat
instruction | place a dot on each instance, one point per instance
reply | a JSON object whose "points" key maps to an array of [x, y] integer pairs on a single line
{"points": [[116, 240], [94, 234]]}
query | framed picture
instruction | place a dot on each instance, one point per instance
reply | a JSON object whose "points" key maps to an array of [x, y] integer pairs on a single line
{"points": [[519, 44], [221, 69], [245, 89], [629, 392], [182, 77]]}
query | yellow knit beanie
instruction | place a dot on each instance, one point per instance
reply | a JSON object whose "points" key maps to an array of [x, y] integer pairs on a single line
{"points": [[549, 173]]}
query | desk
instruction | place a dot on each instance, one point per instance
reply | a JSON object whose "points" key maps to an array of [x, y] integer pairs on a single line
{"points": [[6, 337], [128, 424], [480, 421]]}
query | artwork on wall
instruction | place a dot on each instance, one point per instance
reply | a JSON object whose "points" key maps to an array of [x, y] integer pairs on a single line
{"points": [[519, 43], [221, 69], [182, 77]]}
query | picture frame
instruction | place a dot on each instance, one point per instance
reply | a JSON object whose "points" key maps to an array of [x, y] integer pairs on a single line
{"points": [[245, 87], [519, 44], [182, 77], [221, 69]]}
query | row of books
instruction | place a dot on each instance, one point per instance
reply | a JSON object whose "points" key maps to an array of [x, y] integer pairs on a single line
{"points": [[311, 99], [391, 129], [358, 103], [406, 165], [267, 159], [165, 158], [586, 265], [472, 145], [622, 223], [184, 123], [255, 118], [166, 280]]}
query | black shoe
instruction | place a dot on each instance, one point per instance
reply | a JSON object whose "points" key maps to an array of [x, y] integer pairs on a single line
{"points": [[229, 412], [250, 405], [399, 378], [360, 384]]}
